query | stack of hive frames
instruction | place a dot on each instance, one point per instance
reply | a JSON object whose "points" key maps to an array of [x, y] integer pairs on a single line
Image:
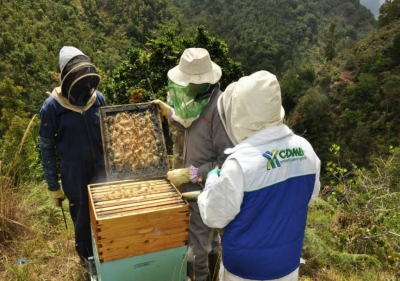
{"points": [[132, 218], [137, 211]]}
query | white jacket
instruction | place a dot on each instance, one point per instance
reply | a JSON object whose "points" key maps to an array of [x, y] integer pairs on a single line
{"points": [[261, 199]]}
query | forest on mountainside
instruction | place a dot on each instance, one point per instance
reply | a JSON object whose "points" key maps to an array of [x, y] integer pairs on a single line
{"points": [[276, 35], [291, 40], [105, 30], [339, 71], [357, 95]]}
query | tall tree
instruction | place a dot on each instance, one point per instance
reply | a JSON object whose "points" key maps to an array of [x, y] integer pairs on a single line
{"points": [[331, 39], [389, 12]]}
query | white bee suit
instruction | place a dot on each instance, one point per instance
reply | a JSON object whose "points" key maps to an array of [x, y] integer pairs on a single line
{"points": [[262, 195]]}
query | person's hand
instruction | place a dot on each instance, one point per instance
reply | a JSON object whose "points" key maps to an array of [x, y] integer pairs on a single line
{"points": [[179, 176], [211, 178], [164, 108], [216, 171], [58, 196]]}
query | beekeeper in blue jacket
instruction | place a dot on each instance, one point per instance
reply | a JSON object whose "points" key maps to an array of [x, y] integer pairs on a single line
{"points": [[70, 124], [262, 192]]}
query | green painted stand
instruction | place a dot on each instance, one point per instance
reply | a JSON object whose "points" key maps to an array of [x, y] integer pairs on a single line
{"points": [[167, 265]]}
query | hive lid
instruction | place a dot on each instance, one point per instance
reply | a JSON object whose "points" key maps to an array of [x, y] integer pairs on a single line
{"points": [[133, 141]]}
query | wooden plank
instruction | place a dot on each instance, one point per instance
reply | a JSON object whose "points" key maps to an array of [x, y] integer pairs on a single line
{"points": [[132, 204], [138, 205], [148, 246], [144, 243], [136, 211], [117, 255], [142, 197], [143, 184], [107, 234], [131, 192], [92, 213], [135, 205], [133, 249], [144, 220], [140, 182], [144, 238], [139, 208], [97, 191], [105, 194]]}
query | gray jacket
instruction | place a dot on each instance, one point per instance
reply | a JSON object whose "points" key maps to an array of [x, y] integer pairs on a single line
{"points": [[205, 142]]}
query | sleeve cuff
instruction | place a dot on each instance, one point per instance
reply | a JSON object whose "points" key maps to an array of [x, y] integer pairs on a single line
{"points": [[171, 113], [193, 174]]}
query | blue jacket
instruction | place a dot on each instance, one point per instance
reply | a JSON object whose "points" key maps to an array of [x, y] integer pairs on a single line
{"points": [[77, 139]]}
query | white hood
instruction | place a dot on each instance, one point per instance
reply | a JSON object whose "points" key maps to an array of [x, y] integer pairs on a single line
{"points": [[251, 104]]}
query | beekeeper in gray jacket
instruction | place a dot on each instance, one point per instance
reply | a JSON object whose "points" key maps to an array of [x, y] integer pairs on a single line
{"points": [[194, 89]]}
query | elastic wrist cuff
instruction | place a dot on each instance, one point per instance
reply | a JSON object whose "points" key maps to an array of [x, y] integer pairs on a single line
{"points": [[193, 174], [171, 113]]}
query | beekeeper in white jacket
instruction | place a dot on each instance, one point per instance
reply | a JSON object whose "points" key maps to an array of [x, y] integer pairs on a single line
{"points": [[262, 192]]}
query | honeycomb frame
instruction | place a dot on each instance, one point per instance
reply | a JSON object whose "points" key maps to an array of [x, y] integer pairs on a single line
{"points": [[133, 141]]}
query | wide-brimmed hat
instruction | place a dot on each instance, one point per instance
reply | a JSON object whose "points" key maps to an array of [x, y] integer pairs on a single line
{"points": [[195, 66], [251, 104]]}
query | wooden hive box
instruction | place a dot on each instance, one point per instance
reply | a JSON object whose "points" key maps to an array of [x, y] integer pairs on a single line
{"points": [[137, 211]]}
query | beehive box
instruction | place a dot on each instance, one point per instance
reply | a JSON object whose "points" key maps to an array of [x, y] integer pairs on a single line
{"points": [[137, 211]]}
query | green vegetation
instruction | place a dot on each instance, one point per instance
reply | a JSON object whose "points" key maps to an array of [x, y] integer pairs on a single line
{"points": [[142, 76], [359, 208], [356, 97], [340, 80], [272, 34], [389, 12]]}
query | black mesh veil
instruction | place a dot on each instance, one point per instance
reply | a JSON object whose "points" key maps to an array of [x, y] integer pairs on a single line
{"points": [[79, 80]]}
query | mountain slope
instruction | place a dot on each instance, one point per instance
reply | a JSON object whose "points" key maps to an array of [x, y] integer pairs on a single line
{"points": [[270, 34], [361, 87]]}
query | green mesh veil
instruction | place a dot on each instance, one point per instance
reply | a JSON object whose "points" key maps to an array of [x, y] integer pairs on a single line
{"points": [[189, 101]]}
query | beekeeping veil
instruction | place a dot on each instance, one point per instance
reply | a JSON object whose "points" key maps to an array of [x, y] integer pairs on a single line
{"points": [[79, 80], [191, 84], [251, 104]]}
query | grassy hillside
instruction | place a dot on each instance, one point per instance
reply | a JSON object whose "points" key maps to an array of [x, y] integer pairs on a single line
{"points": [[352, 231], [347, 108]]}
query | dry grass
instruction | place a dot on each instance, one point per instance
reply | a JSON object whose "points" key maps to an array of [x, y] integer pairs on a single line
{"points": [[37, 234], [9, 198], [326, 274], [33, 230]]}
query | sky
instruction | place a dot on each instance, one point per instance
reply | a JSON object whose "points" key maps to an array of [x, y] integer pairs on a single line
{"points": [[373, 6]]}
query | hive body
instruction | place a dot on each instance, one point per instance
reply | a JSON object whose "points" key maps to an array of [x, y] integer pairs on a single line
{"points": [[139, 220]]}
